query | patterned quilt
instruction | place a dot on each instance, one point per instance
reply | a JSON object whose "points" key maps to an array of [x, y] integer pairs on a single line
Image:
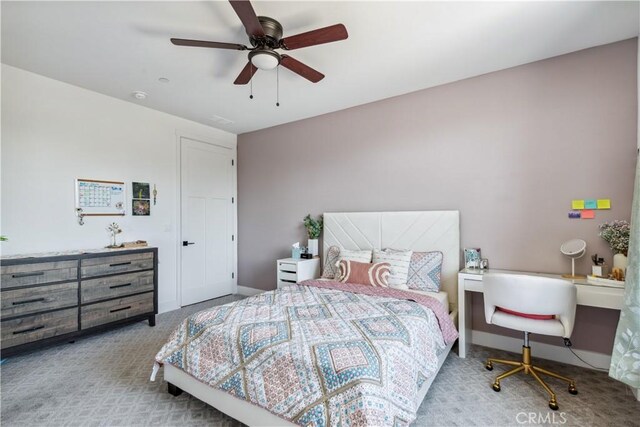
{"points": [[324, 354]]}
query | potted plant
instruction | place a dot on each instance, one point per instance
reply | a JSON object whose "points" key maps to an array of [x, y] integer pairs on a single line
{"points": [[314, 228], [616, 234]]}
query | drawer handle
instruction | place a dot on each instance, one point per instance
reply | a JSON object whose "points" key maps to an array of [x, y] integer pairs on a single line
{"points": [[287, 271], [119, 286], [37, 273], [288, 281], [120, 309], [117, 264], [24, 331], [28, 301]]}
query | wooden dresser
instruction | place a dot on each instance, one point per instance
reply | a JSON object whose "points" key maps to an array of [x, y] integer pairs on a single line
{"points": [[48, 298]]}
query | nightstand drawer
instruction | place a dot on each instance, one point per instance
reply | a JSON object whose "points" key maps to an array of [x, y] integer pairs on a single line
{"points": [[38, 327], [115, 286], [117, 309], [38, 273], [39, 298], [100, 266], [288, 266], [293, 277]]}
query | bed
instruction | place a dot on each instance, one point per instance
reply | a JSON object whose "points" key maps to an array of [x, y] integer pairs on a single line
{"points": [[326, 353]]}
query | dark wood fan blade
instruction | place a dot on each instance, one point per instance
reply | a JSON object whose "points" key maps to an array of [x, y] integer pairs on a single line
{"points": [[246, 74], [301, 69], [248, 16], [202, 43], [330, 34]]}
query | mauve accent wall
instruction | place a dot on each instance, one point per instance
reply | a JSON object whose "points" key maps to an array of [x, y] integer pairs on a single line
{"points": [[509, 150]]}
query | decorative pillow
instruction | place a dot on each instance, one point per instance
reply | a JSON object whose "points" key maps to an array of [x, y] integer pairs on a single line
{"points": [[362, 273], [424, 271], [330, 269], [399, 261], [359, 256]]}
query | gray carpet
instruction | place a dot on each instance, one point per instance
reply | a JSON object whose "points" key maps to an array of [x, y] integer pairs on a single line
{"points": [[103, 380]]}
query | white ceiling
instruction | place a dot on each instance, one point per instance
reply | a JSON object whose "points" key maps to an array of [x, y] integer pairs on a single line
{"points": [[393, 48]]}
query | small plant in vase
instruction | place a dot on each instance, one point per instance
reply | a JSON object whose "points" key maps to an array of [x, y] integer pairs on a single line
{"points": [[616, 234], [314, 228], [113, 229]]}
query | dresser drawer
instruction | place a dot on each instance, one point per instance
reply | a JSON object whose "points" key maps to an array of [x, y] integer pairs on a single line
{"points": [[115, 286], [117, 309], [17, 302], [38, 327], [38, 273], [99, 266]]}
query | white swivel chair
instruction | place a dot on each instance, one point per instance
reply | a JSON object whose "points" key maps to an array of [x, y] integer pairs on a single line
{"points": [[532, 304]]}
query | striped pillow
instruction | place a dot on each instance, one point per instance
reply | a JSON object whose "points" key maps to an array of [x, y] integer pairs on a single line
{"points": [[399, 261], [359, 256], [361, 273]]}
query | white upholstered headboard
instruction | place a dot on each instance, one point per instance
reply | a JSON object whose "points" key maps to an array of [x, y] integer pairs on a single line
{"points": [[418, 231]]}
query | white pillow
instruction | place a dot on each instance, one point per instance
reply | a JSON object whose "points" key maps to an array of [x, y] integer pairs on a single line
{"points": [[399, 260], [358, 256]]}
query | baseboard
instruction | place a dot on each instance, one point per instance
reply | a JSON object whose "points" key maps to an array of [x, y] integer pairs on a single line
{"points": [[542, 351], [249, 292], [166, 306]]}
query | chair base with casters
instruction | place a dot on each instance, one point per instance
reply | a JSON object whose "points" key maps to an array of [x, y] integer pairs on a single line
{"points": [[529, 369]]}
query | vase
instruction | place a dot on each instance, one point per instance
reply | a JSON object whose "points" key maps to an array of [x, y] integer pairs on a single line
{"points": [[620, 261], [312, 246]]}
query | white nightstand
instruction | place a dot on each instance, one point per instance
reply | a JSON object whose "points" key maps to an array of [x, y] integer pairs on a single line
{"points": [[292, 270]]}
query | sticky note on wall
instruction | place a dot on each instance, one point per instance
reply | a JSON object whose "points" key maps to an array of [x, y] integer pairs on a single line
{"points": [[590, 204], [574, 214], [587, 214], [577, 204], [604, 203]]}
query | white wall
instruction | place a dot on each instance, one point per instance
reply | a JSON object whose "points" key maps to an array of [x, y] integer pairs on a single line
{"points": [[52, 133]]}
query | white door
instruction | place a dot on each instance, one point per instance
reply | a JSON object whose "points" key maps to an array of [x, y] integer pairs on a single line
{"points": [[206, 221]]}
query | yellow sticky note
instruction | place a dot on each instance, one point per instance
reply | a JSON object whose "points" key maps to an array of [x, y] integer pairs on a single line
{"points": [[604, 203], [577, 204]]}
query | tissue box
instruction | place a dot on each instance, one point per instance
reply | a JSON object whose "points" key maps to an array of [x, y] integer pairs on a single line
{"points": [[296, 252]]}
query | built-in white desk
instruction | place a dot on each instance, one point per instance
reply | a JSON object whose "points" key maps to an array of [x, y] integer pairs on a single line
{"points": [[470, 280]]}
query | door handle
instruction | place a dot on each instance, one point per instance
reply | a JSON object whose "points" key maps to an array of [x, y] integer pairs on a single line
{"points": [[186, 243]]}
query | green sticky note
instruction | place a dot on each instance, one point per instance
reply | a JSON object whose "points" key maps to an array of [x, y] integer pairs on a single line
{"points": [[577, 204], [604, 203], [590, 204]]}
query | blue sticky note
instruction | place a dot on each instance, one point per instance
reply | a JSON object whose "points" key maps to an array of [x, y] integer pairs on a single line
{"points": [[590, 204]]}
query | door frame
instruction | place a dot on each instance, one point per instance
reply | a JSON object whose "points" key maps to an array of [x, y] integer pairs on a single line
{"points": [[232, 146]]}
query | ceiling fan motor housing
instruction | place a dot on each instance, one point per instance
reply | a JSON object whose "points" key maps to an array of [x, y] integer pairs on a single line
{"points": [[273, 33]]}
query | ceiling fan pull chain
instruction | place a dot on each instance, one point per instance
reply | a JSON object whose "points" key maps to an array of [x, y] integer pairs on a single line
{"points": [[251, 82], [278, 86]]}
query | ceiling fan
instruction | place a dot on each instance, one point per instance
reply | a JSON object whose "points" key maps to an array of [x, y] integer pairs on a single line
{"points": [[265, 36]]}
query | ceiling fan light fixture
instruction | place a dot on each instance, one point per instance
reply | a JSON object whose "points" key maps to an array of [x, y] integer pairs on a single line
{"points": [[264, 59]]}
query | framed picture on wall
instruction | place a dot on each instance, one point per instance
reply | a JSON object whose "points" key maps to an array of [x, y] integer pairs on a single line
{"points": [[140, 207]]}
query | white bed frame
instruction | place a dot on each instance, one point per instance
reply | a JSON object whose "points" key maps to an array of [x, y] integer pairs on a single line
{"points": [[418, 231]]}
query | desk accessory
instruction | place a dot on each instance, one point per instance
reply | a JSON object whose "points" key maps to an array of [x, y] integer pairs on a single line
{"points": [[472, 258], [599, 269], [616, 234], [306, 255], [574, 249]]}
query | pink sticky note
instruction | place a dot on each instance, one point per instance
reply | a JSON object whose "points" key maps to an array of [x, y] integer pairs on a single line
{"points": [[588, 214]]}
